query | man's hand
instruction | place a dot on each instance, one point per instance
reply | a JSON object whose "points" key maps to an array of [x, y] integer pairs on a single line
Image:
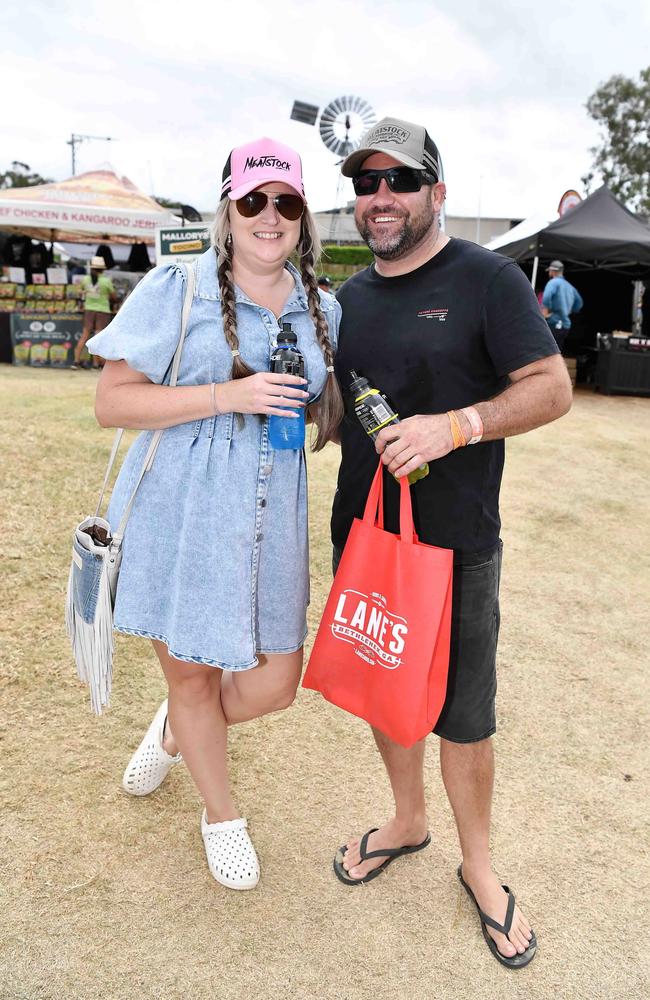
{"points": [[412, 442]]}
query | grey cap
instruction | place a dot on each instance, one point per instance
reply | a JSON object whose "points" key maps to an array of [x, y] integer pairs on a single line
{"points": [[555, 265], [410, 144]]}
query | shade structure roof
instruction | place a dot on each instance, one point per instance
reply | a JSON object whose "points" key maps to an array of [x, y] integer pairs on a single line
{"points": [[95, 207], [599, 232]]}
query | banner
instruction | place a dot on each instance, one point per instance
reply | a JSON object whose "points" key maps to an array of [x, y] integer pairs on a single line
{"points": [[43, 340]]}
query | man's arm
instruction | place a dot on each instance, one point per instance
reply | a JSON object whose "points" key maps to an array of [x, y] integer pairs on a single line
{"points": [[537, 394], [549, 296]]}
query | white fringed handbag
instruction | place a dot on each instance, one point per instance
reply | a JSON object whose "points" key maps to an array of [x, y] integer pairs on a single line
{"points": [[96, 558]]}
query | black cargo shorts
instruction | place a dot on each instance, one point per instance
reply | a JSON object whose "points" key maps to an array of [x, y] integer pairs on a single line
{"points": [[468, 714]]}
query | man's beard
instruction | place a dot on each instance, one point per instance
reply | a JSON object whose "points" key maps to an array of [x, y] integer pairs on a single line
{"points": [[396, 244]]}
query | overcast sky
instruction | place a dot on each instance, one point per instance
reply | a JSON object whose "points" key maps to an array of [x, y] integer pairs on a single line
{"points": [[500, 86]]}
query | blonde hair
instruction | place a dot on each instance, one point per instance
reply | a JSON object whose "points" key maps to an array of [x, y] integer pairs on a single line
{"points": [[330, 404]]}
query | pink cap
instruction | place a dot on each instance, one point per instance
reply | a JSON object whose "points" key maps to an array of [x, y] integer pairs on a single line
{"points": [[258, 163]]}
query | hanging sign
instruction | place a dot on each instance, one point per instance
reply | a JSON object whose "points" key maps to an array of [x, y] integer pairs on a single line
{"points": [[568, 201]]}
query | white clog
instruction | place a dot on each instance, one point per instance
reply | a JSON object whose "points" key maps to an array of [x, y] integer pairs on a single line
{"points": [[150, 764], [231, 856]]}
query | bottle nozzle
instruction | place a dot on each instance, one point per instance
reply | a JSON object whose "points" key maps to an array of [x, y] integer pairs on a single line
{"points": [[287, 335], [359, 383]]}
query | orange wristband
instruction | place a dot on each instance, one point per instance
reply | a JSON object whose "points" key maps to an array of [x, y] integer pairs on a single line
{"points": [[456, 430]]}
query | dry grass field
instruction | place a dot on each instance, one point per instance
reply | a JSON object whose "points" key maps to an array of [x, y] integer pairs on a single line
{"points": [[105, 897]]}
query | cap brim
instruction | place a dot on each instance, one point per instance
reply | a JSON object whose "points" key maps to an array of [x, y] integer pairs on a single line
{"points": [[352, 164], [243, 189]]}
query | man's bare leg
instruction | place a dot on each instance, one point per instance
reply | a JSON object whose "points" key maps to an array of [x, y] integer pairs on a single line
{"points": [[468, 775], [409, 825]]}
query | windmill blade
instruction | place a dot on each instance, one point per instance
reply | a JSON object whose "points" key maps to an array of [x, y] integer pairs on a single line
{"points": [[344, 122]]}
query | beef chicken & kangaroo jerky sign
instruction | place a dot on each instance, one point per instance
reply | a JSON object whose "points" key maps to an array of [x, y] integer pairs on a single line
{"points": [[181, 243]]}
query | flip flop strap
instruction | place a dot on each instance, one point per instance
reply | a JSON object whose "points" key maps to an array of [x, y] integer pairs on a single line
{"points": [[388, 852], [501, 928]]}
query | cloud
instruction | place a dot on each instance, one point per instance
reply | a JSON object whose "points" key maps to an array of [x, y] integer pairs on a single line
{"points": [[500, 86]]}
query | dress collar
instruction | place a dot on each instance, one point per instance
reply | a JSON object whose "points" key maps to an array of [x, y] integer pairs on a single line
{"points": [[207, 284]]}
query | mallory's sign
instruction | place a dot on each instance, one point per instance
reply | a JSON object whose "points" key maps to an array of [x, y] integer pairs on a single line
{"points": [[181, 243]]}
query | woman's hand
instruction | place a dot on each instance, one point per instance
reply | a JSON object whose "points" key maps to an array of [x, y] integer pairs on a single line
{"points": [[264, 392]]}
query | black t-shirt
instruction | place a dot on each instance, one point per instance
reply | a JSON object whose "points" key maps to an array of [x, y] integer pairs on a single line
{"points": [[438, 338]]}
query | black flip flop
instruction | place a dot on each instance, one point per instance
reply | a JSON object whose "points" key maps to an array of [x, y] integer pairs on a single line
{"points": [[517, 961], [390, 853]]}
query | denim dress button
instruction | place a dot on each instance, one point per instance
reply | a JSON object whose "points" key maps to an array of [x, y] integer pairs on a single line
{"points": [[215, 553]]}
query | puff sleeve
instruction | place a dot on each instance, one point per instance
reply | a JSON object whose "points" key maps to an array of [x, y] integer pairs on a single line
{"points": [[332, 311], [146, 330]]}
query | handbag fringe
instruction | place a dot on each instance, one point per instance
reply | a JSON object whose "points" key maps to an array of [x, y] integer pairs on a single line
{"points": [[93, 644]]}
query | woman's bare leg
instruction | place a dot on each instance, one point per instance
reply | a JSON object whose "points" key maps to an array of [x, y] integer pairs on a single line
{"points": [[200, 730], [81, 343], [269, 687]]}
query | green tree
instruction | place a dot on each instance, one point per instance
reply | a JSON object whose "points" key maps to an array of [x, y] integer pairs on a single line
{"points": [[621, 107], [21, 176]]}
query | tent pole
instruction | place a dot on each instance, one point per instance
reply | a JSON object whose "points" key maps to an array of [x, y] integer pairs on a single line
{"points": [[534, 275]]}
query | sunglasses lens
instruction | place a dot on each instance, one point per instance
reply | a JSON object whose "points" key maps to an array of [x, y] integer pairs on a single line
{"points": [[251, 204], [403, 180], [367, 183], [290, 206]]}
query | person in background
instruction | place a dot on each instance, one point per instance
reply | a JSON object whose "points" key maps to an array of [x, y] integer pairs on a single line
{"points": [[99, 294], [324, 283], [559, 300]]}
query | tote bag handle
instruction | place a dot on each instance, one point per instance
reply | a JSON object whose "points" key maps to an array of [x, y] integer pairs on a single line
{"points": [[374, 511]]}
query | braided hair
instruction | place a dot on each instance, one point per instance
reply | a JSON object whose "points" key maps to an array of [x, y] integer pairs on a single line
{"points": [[228, 313], [330, 404]]}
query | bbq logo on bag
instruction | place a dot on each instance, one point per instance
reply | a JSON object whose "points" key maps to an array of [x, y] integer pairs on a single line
{"points": [[364, 620]]}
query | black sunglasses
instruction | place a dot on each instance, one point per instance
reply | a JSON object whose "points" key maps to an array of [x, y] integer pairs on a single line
{"points": [[290, 206], [401, 180]]}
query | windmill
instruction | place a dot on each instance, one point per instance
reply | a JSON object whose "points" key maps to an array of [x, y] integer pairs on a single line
{"points": [[343, 123]]}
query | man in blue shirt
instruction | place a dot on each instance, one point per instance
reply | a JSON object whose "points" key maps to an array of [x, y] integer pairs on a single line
{"points": [[559, 301]]}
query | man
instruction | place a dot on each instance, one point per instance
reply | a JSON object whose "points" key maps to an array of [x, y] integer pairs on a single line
{"points": [[441, 325], [560, 299], [324, 283]]}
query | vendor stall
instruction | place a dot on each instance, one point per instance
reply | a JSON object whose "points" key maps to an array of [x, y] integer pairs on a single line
{"points": [[41, 313], [605, 249]]}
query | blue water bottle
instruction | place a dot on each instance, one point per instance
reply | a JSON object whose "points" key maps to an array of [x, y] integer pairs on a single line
{"points": [[287, 432]]}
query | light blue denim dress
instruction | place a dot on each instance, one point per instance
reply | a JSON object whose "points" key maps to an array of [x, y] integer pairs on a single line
{"points": [[215, 553]]}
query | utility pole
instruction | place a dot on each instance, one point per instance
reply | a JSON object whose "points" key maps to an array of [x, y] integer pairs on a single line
{"points": [[76, 139]]}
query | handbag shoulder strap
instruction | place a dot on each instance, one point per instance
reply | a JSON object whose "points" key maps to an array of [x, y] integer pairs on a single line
{"points": [[190, 280]]}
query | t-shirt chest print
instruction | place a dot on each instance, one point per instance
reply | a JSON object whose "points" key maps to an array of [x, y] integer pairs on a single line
{"points": [[438, 314]]}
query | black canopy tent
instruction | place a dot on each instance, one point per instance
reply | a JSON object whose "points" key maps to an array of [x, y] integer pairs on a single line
{"points": [[604, 248], [598, 234]]}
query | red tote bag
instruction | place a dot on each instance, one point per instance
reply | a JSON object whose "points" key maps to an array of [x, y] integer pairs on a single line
{"points": [[382, 647]]}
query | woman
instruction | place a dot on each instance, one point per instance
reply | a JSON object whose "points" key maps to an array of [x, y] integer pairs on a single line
{"points": [[215, 555], [99, 294]]}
